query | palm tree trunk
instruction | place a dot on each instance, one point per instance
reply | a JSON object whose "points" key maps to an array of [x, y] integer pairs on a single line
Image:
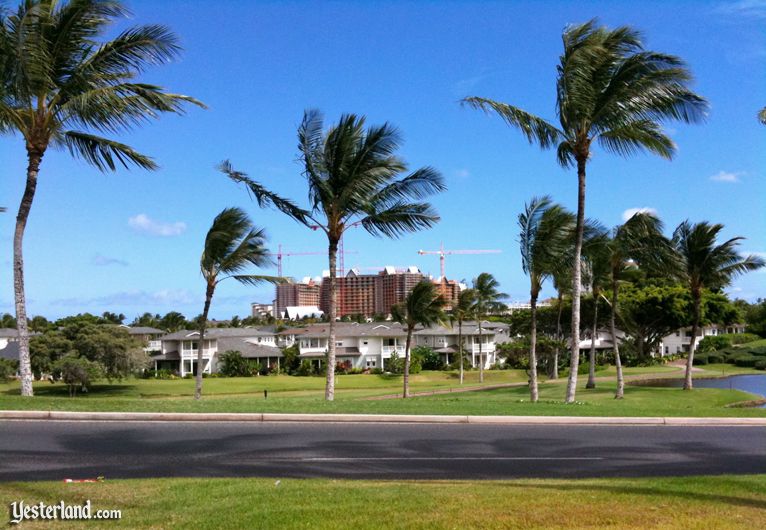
{"points": [[481, 360], [697, 299], [533, 390], [460, 346], [329, 391], [592, 356], [615, 348], [576, 271], [25, 365], [553, 371], [406, 393], [202, 325]]}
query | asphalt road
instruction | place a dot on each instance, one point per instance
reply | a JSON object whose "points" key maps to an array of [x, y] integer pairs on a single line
{"points": [[55, 450]]}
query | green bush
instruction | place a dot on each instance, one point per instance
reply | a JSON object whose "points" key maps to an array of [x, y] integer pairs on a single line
{"points": [[741, 338], [232, 364], [7, 369], [158, 374], [715, 358], [77, 372], [759, 351], [305, 368], [760, 365], [428, 358], [377, 371], [746, 360], [714, 343], [394, 364], [584, 368], [700, 358]]}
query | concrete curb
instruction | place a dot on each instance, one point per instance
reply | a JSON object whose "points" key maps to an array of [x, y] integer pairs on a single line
{"points": [[372, 418]]}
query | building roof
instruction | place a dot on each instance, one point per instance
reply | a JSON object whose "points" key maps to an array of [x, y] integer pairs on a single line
{"points": [[248, 349], [11, 351], [216, 333], [167, 356], [303, 311], [143, 330], [9, 332]]}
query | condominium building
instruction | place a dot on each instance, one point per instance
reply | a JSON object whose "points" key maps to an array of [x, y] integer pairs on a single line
{"points": [[371, 294], [295, 294]]}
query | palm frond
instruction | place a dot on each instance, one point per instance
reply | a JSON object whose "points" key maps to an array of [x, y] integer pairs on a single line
{"points": [[762, 115], [104, 153], [399, 219], [636, 136], [533, 128], [263, 196]]}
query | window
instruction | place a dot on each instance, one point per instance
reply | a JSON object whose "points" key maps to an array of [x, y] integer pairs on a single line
{"points": [[678, 333], [667, 350], [339, 343], [365, 343], [371, 363]]}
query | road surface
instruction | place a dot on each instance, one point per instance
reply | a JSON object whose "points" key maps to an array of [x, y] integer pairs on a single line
{"points": [[55, 450]]}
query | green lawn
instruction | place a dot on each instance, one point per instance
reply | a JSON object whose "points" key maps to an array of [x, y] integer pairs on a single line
{"points": [[305, 394], [688, 502]]}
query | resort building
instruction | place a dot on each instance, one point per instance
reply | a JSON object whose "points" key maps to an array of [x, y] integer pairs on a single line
{"points": [[679, 341], [296, 294]]}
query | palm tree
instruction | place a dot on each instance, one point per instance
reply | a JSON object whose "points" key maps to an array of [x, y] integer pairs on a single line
{"points": [[545, 230], [460, 311], [762, 115], [703, 264], [354, 178], [487, 300], [63, 89], [598, 269], [423, 306], [610, 90], [637, 242], [231, 245]]}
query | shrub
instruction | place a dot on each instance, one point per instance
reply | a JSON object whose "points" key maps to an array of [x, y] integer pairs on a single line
{"points": [[376, 371], [746, 360], [759, 351], [7, 369], [742, 338], [716, 358], [700, 358], [305, 368], [394, 364], [429, 359], [714, 343], [342, 367], [77, 372], [760, 365], [232, 364]]}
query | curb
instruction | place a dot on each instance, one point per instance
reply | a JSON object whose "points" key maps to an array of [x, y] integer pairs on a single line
{"points": [[373, 418]]}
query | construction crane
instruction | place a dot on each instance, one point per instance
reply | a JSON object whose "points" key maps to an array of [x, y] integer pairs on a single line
{"points": [[442, 253], [279, 254]]}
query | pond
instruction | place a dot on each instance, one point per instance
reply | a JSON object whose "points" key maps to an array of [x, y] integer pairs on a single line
{"points": [[753, 383]]}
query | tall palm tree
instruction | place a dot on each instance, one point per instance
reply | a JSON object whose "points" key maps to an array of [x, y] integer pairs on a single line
{"points": [[611, 90], [354, 178], [703, 264], [637, 242], [423, 306], [598, 269], [545, 230], [64, 89], [487, 300], [232, 244], [462, 310]]}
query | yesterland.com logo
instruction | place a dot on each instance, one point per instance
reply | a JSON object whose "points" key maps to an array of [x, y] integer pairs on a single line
{"points": [[20, 511]]}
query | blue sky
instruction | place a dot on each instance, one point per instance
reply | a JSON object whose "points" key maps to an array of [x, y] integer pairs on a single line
{"points": [[130, 241]]}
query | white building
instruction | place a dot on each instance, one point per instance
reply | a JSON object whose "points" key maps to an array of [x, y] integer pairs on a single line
{"points": [[679, 341]]}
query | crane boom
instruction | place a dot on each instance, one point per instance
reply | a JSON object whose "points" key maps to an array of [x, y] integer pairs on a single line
{"points": [[442, 253]]}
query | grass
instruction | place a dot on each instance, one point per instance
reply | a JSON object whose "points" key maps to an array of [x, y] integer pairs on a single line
{"points": [[687, 502], [305, 394]]}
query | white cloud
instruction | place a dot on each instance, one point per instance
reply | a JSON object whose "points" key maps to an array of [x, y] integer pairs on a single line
{"points": [[164, 297], [462, 173], [143, 224], [726, 176], [630, 212], [744, 8], [103, 261]]}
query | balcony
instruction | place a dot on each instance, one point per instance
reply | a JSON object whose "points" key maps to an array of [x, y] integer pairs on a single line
{"points": [[192, 354], [388, 350]]}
